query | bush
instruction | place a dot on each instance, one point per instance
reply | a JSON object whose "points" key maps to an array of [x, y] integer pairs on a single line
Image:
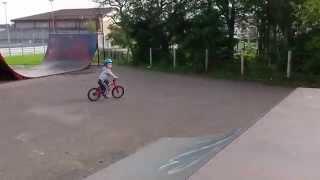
{"points": [[307, 53]]}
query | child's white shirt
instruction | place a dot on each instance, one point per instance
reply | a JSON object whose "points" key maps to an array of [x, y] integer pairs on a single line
{"points": [[106, 74]]}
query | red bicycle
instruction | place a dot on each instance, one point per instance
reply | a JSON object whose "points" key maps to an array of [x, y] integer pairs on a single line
{"points": [[117, 91]]}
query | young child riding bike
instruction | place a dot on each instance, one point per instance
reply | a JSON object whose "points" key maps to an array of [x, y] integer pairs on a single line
{"points": [[106, 76]]}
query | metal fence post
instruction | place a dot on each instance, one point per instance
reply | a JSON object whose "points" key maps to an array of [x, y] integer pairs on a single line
{"points": [[128, 55], [289, 64], [174, 58], [103, 44], [22, 51], [111, 53], [242, 63], [150, 56], [98, 51], [117, 54], [207, 60], [34, 50]]}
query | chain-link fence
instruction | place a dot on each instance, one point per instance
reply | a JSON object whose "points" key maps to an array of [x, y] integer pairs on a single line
{"points": [[118, 55], [23, 50], [34, 42], [245, 62], [23, 42]]}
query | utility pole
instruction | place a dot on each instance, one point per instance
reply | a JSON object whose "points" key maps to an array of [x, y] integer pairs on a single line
{"points": [[7, 24], [52, 16]]}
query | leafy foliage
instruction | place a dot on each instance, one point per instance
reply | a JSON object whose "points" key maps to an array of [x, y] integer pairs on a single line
{"points": [[309, 12], [196, 25]]}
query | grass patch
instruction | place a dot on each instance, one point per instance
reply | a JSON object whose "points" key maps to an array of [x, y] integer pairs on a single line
{"points": [[25, 60]]}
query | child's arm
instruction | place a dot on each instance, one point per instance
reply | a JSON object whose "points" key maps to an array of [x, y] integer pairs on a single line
{"points": [[111, 74]]}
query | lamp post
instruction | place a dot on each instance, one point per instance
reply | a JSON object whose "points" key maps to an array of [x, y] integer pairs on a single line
{"points": [[52, 16], [7, 24]]}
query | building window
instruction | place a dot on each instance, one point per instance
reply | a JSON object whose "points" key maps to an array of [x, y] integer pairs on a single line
{"points": [[66, 24], [89, 25], [24, 25], [42, 25]]}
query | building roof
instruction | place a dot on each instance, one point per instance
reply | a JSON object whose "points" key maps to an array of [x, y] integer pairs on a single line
{"points": [[68, 14]]}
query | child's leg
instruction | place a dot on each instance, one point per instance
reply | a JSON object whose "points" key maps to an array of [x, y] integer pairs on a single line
{"points": [[102, 85], [106, 85]]}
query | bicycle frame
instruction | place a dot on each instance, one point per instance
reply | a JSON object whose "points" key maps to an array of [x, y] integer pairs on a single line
{"points": [[111, 85]]}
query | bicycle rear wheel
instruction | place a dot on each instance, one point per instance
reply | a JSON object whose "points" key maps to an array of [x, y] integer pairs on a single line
{"points": [[118, 92], [94, 94]]}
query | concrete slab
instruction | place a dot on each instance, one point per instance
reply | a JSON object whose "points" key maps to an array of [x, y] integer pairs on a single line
{"points": [[167, 159], [284, 145], [49, 130]]}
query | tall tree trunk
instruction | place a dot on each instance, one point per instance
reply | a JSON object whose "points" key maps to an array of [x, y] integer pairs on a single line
{"points": [[232, 30], [268, 33], [230, 20], [275, 44]]}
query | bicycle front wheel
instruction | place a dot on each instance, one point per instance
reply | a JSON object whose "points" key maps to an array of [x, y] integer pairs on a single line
{"points": [[118, 92]]}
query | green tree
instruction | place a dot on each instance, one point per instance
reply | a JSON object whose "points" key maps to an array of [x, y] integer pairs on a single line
{"points": [[275, 21], [229, 10], [309, 12], [163, 23], [119, 37]]}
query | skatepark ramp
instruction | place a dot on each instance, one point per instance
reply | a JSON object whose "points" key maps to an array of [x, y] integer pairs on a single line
{"points": [[283, 145], [65, 53]]}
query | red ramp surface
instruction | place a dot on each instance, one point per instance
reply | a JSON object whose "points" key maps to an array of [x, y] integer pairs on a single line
{"points": [[65, 53]]}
